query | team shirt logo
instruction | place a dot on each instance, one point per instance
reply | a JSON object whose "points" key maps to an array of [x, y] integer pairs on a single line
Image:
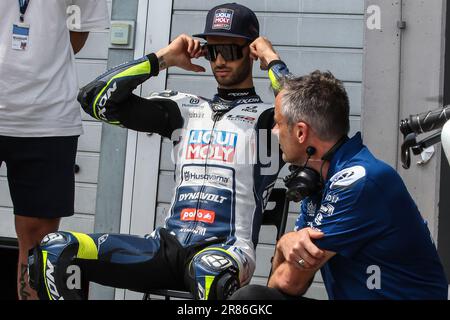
{"points": [[211, 145]]}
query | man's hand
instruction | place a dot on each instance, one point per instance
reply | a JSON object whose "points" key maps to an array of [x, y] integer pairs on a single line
{"points": [[296, 246], [262, 49], [288, 275], [179, 53]]}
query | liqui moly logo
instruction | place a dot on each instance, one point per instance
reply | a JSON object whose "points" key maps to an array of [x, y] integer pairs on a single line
{"points": [[212, 145], [192, 214], [223, 19]]}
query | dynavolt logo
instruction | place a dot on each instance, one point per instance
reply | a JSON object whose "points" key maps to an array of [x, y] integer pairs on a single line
{"points": [[212, 145], [194, 196], [192, 214]]}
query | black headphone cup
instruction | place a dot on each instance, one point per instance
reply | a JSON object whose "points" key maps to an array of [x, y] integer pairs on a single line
{"points": [[306, 182]]}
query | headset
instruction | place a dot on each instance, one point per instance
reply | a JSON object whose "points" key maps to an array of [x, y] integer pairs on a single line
{"points": [[304, 181]]}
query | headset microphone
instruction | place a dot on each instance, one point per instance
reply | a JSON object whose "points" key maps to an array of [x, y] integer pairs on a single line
{"points": [[310, 151]]}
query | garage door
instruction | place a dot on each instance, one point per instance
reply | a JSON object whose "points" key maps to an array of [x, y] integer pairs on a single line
{"points": [[90, 62], [309, 35]]}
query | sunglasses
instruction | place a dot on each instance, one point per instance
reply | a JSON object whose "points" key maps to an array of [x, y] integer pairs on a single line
{"points": [[229, 52]]}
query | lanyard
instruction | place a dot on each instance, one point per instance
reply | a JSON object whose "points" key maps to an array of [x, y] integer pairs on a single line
{"points": [[23, 5]]}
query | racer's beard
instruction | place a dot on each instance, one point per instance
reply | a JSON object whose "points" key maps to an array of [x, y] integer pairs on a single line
{"points": [[237, 76]]}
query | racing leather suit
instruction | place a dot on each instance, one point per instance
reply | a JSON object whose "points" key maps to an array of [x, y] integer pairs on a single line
{"points": [[226, 165]]}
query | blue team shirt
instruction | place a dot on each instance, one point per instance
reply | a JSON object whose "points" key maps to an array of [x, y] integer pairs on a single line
{"points": [[383, 245]]}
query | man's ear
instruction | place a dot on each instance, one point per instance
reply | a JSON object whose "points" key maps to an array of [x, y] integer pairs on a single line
{"points": [[301, 132]]}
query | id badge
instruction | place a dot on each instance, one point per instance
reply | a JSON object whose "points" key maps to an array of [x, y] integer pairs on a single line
{"points": [[20, 36]]}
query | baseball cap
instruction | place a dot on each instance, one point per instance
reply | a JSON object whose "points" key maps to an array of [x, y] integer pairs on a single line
{"points": [[231, 20]]}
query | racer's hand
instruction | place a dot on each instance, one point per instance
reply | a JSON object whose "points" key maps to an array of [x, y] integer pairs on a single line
{"points": [[298, 245], [179, 53], [262, 49]]}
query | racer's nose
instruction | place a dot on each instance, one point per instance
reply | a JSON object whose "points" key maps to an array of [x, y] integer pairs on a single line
{"points": [[220, 61]]}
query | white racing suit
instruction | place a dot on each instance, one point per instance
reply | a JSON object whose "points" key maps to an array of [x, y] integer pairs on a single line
{"points": [[226, 164]]}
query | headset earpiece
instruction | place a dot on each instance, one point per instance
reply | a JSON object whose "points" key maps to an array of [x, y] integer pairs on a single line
{"points": [[302, 183]]}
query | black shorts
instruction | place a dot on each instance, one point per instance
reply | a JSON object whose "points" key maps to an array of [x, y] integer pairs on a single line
{"points": [[40, 174]]}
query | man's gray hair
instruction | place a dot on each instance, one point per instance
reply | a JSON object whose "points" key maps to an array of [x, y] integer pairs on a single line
{"points": [[320, 100]]}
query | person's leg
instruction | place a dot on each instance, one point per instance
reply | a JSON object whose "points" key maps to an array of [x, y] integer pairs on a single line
{"points": [[42, 186], [66, 260], [30, 232]]}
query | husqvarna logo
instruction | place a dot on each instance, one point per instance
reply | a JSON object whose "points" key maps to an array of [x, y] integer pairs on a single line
{"points": [[212, 145]]}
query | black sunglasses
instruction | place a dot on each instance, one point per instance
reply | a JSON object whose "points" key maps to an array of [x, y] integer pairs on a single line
{"points": [[229, 52]]}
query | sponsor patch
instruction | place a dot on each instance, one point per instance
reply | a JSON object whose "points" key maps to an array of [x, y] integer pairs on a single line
{"points": [[248, 101], [197, 230], [311, 208], [223, 19], [190, 175], [53, 238], [211, 145], [241, 118], [102, 240], [203, 196], [252, 109], [196, 115], [192, 214], [327, 209], [347, 177]]}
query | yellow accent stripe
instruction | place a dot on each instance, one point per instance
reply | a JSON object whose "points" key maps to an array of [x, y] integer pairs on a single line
{"points": [[274, 81], [208, 282], [139, 69], [86, 246], [44, 261]]}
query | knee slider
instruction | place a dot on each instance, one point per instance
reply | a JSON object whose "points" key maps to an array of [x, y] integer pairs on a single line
{"points": [[48, 265], [216, 274]]}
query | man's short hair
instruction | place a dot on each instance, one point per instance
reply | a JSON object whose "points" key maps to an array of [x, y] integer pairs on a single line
{"points": [[320, 100]]}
